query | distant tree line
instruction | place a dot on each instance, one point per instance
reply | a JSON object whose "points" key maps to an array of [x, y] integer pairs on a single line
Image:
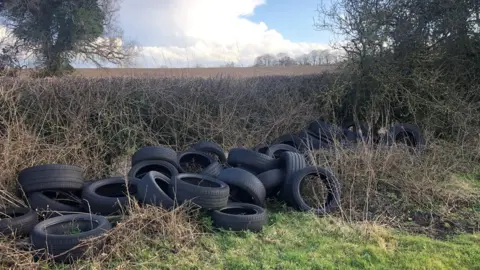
{"points": [[314, 58]]}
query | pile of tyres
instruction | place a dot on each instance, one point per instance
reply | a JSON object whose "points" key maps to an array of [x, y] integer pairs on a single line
{"points": [[233, 189], [322, 135]]}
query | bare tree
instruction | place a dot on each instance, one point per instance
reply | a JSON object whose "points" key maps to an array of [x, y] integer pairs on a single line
{"points": [[57, 33], [314, 57], [304, 60], [400, 50], [265, 60]]}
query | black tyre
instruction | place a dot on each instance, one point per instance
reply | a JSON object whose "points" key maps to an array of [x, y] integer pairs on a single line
{"points": [[355, 131], [290, 139], [153, 189], [240, 217], [276, 150], [194, 161], [272, 179], [202, 190], [51, 176], [143, 167], [352, 137], [291, 163], [311, 142], [155, 153], [297, 200], [244, 186], [409, 134], [211, 148], [213, 169], [261, 148], [325, 130], [109, 196], [60, 236], [53, 203], [17, 220], [251, 160]]}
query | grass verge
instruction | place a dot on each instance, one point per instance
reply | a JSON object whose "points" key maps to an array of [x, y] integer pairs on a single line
{"points": [[293, 241]]}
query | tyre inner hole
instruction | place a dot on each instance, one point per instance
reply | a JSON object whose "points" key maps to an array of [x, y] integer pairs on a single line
{"points": [[263, 150], [239, 211], [407, 138], [154, 167], [63, 197], [194, 163], [162, 184], [314, 191], [291, 143], [72, 227], [200, 182], [116, 190], [239, 195]]}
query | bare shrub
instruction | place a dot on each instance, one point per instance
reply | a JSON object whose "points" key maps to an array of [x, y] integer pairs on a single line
{"points": [[391, 185]]}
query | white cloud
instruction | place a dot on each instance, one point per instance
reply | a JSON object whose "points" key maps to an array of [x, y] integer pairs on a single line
{"points": [[178, 33]]}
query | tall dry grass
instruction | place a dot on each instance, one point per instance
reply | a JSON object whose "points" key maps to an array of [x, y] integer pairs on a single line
{"points": [[97, 122], [92, 122], [431, 191]]}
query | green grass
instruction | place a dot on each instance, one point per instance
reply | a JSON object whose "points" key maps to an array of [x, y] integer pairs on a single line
{"points": [[303, 241]]}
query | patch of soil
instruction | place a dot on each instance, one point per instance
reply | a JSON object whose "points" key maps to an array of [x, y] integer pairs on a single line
{"points": [[441, 226]]}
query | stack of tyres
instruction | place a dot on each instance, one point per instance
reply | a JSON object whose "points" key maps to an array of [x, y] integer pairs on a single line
{"points": [[53, 189], [53, 192]]}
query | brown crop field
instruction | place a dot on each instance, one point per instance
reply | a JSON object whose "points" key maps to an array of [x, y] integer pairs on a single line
{"points": [[205, 72]]}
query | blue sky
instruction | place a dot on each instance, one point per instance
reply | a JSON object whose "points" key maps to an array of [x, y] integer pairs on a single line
{"points": [[292, 18], [186, 33]]}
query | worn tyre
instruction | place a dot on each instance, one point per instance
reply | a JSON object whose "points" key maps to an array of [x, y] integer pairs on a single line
{"points": [[51, 176], [155, 153], [294, 197], [193, 161], [109, 196], [153, 189], [143, 167], [290, 139], [251, 160], [355, 132], [352, 137], [213, 169], [324, 130], [291, 163], [272, 179], [261, 148], [17, 220], [240, 217], [244, 186], [211, 148], [55, 202], [60, 236], [409, 134], [311, 142], [276, 150], [202, 190]]}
